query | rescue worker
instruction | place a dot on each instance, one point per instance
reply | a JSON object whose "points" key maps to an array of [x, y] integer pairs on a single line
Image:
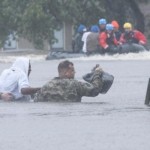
{"points": [[107, 40], [77, 43], [92, 40], [116, 29], [14, 82], [102, 24], [132, 40], [132, 36], [65, 88]]}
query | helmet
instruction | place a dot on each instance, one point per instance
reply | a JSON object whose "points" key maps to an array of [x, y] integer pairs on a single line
{"points": [[127, 25], [102, 21], [81, 28], [109, 27], [115, 24], [95, 28]]}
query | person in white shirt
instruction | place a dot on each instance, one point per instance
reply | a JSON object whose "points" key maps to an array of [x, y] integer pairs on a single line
{"points": [[14, 82], [84, 39]]}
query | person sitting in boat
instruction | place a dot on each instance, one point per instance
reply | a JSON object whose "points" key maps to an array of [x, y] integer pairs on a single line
{"points": [[107, 40], [77, 42], [102, 24], [132, 40], [84, 40], [117, 32], [92, 40]]}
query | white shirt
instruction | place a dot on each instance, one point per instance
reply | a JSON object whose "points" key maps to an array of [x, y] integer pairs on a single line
{"points": [[14, 79], [84, 38]]}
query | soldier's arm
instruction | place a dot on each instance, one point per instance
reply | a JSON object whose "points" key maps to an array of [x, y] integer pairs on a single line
{"points": [[42, 94], [91, 89]]}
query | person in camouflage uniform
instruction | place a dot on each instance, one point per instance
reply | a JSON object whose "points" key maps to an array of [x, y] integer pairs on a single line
{"points": [[66, 89]]}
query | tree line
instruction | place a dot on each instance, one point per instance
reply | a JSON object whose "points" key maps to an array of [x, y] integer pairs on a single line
{"points": [[36, 20]]}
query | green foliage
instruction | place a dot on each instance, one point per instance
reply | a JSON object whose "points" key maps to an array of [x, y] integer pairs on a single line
{"points": [[36, 20]]}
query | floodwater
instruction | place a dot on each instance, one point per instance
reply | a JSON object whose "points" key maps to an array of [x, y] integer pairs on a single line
{"points": [[118, 120]]}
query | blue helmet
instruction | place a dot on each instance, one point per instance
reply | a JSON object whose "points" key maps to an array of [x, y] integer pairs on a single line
{"points": [[81, 28], [102, 21], [95, 28], [109, 27]]}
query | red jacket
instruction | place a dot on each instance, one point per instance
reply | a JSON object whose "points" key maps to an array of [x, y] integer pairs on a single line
{"points": [[106, 39], [133, 37]]}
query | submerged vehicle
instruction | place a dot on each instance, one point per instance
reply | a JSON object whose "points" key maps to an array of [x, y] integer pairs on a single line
{"points": [[126, 48]]}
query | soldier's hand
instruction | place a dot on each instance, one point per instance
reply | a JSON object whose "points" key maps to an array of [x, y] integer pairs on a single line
{"points": [[97, 68]]}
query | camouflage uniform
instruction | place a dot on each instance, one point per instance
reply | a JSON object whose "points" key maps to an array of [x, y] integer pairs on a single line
{"points": [[69, 90]]}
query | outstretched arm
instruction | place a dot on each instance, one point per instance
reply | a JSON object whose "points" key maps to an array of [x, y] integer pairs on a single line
{"points": [[29, 90]]}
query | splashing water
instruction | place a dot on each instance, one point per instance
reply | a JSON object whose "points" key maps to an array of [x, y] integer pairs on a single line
{"points": [[130, 56]]}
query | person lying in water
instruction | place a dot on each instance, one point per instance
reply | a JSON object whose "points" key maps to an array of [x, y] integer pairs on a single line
{"points": [[65, 88], [14, 82]]}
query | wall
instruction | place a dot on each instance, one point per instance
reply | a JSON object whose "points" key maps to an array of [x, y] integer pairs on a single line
{"points": [[145, 9]]}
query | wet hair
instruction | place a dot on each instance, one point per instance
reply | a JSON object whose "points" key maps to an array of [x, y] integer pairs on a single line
{"points": [[64, 65]]}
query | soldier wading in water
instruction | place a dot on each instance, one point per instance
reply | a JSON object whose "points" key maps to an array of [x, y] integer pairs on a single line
{"points": [[66, 89]]}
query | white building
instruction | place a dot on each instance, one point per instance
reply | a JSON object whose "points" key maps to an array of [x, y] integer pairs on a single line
{"points": [[64, 37]]}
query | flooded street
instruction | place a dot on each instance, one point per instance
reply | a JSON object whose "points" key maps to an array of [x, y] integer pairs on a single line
{"points": [[118, 120]]}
